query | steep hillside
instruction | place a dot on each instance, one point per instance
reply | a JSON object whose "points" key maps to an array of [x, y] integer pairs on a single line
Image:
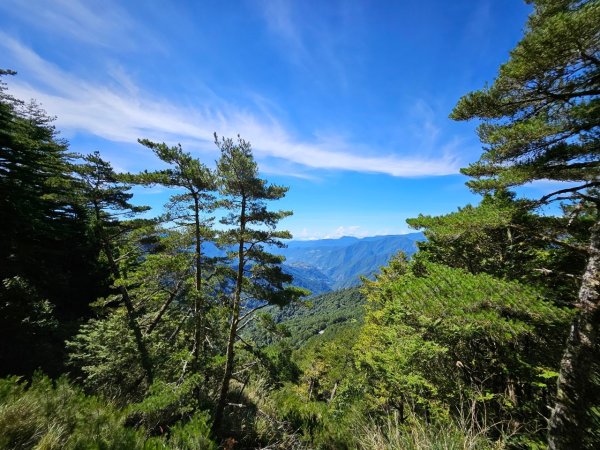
{"points": [[326, 310], [309, 277]]}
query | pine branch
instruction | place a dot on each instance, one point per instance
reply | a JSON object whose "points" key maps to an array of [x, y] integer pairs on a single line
{"points": [[546, 198]]}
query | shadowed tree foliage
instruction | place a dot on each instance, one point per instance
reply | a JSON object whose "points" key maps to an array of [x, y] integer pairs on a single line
{"points": [[159, 280], [108, 199], [48, 259]]}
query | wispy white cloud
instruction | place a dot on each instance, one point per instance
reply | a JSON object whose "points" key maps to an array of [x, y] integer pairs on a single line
{"points": [[353, 230], [310, 235], [317, 47], [101, 23], [119, 110]]}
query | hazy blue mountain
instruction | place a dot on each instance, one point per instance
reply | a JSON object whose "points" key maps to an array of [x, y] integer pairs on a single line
{"points": [[326, 265], [308, 277], [342, 261]]}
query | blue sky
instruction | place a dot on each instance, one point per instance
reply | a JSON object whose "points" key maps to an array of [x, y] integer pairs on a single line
{"points": [[345, 102]]}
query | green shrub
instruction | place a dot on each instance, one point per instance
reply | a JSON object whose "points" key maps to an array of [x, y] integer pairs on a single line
{"points": [[194, 435], [436, 337], [48, 415], [317, 424], [55, 415]]}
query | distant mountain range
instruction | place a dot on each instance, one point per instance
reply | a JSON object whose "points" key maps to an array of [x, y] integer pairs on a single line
{"points": [[330, 264], [326, 265], [330, 269]]}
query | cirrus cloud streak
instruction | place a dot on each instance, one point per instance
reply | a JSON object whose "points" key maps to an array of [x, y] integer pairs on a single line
{"points": [[119, 110]]}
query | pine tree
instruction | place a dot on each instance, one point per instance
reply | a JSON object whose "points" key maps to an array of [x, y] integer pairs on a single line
{"points": [[259, 279], [188, 210], [436, 337], [109, 202], [541, 120], [502, 237], [159, 282]]}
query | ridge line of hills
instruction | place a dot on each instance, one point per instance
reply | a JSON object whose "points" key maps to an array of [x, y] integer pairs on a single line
{"points": [[332, 264], [326, 265]]}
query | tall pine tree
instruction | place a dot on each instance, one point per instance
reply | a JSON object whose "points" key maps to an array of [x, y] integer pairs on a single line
{"points": [[109, 200], [189, 210], [259, 279], [541, 121], [48, 260]]}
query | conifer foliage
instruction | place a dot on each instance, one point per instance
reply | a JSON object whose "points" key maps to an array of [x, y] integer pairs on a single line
{"points": [[259, 279], [439, 337], [188, 211], [49, 271], [541, 121]]}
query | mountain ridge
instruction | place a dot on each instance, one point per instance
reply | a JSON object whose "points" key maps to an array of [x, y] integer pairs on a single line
{"points": [[326, 265], [339, 263]]}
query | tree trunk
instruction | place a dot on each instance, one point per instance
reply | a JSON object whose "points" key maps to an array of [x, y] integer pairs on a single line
{"points": [[198, 325], [162, 311], [198, 244], [224, 391], [237, 296], [131, 320], [139, 339], [511, 390], [137, 332], [568, 419], [333, 391]]}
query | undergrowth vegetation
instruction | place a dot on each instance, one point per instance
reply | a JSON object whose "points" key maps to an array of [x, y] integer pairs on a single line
{"points": [[53, 414]]}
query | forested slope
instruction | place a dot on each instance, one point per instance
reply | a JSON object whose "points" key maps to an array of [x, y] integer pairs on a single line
{"points": [[314, 317]]}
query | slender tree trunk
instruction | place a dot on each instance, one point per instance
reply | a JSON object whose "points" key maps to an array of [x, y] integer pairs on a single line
{"points": [[568, 418], [333, 391], [131, 318], [198, 244], [139, 339], [237, 296], [161, 312], [224, 391], [198, 325], [511, 390]]}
